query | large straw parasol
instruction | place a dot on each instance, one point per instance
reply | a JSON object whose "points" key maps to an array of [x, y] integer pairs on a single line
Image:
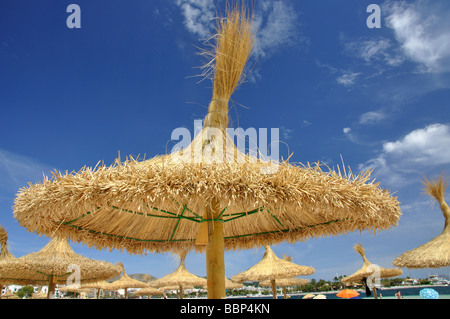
{"points": [[180, 277], [273, 268], [55, 263], [370, 272], [209, 196], [125, 282], [436, 252]]}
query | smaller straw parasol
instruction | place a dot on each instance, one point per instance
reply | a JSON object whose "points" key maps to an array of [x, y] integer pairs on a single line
{"points": [[76, 289], [149, 291], [54, 264], [39, 295], [5, 255], [229, 284], [10, 295], [126, 282], [436, 252], [99, 285], [181, 277], [287, 282], [272, 268], [370, 270]]}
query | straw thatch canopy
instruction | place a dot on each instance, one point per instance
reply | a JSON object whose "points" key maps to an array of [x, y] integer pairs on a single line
{"points": [[286, 282], [54, 264], [76, 289], [9, 295], [5, 255], [273, 268], [436, 252], [39, 295], [229, 284], [149, 291], [368, 269], [211, 189], [125, 282], [99, 285], [180, 277]]}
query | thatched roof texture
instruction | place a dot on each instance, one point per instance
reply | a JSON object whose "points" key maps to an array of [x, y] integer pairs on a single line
{"points": [[180, 277], [5, 255], [53, 264], [272, 267], [287, 282], [125, 282], [368, 269], [436, 252]]}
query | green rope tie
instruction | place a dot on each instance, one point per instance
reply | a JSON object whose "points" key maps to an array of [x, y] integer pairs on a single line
{"points": [[224, 218]]}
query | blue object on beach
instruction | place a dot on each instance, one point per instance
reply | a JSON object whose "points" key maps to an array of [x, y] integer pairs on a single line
{"points": [[429, 293]]}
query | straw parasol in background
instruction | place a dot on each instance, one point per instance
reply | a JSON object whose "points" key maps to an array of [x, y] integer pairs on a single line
{"points": [[370, 272], [272, 268], [76, 289], [149, 291], [229, 284], [210, 196], [55, 263], [436, 252], [285, 282], [125, 282], [5, 255], [180, 277], [98, 285]]}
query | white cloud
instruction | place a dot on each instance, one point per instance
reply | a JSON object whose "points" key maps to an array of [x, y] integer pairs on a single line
{"points": [[198, 16], [427, 146], [371, 117], [348, 78], [275, 26], [423, 30], [275, 23], [419, 151], [346, 130]]}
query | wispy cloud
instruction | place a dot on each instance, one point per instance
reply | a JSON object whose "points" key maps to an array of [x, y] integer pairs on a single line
{"points": [[348, 78], [275, 23], [373, 51], [198, 16], [17, 170], [372, 117]]}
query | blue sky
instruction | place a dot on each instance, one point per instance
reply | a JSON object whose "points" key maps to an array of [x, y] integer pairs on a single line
{"points": [[375, 97]]}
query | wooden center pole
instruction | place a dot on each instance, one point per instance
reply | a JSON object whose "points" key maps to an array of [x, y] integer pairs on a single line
{"points": [[215, 260], [274, 288], [51, 287]]}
